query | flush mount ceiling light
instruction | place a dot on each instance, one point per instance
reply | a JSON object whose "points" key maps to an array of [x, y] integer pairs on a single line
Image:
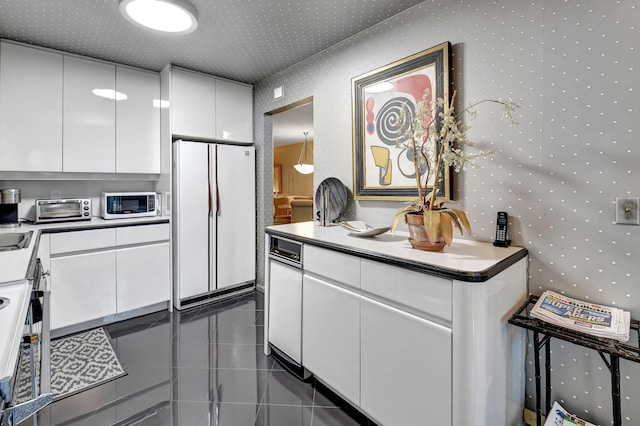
{"points": [[304, 166], [171, 16]]}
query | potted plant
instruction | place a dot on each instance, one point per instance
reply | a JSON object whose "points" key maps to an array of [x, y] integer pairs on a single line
{"points": [[436, 135]]}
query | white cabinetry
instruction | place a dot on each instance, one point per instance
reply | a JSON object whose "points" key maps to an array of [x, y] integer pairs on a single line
{"points": [[137, 121], [331, 319], [410, 355], [83, 281], [30, 109], [234, 111], [89, 116], [424, 336], [206, 107], [58, 113], [331, 335], [402, 350], [193, 107], [104, 272], [143, 273]]}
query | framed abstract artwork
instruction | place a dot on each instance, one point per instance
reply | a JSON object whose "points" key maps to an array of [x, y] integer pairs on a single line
{"points": [[382, 171]]}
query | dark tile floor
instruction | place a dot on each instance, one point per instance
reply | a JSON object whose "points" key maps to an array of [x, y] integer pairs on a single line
{"points": [[204, 366]]}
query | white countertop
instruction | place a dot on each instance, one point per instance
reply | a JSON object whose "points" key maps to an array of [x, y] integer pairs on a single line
{"points": [[471, 260], [12, 318]]}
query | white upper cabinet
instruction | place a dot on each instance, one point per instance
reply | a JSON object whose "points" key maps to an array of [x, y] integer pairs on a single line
{"points": [[89, 116], [137, 122], [205, 107], [234, 111], [30, 109], [193, 105]]}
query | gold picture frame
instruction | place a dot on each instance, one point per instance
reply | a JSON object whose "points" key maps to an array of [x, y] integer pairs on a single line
{"points": [[382, 171]]}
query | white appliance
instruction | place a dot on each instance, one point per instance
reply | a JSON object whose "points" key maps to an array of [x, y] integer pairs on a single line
{"points": [[214, 224], [123, 205]]}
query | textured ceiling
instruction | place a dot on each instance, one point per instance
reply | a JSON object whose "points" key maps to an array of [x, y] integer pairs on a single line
{"points": [[244, 40]]}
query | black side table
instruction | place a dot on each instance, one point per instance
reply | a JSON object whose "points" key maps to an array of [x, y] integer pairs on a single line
{"points": [[603, 346]]}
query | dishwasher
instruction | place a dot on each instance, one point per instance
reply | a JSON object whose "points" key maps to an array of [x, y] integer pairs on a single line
{"points": [[284, 323]]}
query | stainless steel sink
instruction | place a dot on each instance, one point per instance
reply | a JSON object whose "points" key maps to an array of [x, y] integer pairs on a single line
{"points": [[15, 240]]}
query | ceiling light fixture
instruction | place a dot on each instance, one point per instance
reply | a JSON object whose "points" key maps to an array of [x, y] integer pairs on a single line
{"points": [[304, 166], [172, 16]]}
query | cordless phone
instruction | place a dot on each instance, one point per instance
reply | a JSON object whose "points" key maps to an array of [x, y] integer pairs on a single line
{"points": [[502, 222]]}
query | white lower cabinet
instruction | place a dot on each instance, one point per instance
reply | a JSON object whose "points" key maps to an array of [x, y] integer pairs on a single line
{"points": [[142, 276], [103, 272], [405, 367], [331, 335], [83, 288]]}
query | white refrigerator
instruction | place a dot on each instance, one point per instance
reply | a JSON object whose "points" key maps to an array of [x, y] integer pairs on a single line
{"points": [[214, 220]]}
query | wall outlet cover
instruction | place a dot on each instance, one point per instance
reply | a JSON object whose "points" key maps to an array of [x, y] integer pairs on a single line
{"points": [[627, 210]]}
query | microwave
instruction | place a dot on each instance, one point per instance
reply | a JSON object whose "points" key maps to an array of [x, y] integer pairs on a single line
{"points": [[62, 210], [122, 205]]}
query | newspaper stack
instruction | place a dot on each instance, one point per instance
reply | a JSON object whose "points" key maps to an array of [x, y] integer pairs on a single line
{"points": [[558, 416], [597, 320]]}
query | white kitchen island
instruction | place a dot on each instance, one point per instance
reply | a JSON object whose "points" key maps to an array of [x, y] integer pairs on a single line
{"points": [[408, 337]]}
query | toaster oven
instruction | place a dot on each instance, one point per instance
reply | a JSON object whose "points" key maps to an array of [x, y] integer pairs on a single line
{"points": [[62, 210]]}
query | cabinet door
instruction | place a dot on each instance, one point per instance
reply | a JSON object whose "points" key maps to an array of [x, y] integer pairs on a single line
{"points": [[30, 109], [142, 276], [331, 336], [193, 105], [89, 116], [83, 288], [137, 122], [406, 367], [234, 111]]}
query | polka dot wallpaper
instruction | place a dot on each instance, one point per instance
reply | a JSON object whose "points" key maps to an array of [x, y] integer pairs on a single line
{"points": [[572, 65]]}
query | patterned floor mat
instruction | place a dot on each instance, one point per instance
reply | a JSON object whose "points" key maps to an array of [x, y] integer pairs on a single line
{"points": [[78, 362]]}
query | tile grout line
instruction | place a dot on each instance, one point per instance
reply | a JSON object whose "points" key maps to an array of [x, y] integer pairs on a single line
{"points": [[264, 392]]}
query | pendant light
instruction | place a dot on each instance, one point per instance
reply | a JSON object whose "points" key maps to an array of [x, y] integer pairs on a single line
{"points": [[171, 16], [304, 166]]}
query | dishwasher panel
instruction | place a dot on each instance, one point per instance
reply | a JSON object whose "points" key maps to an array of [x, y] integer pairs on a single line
{"points": [[285, 310]]}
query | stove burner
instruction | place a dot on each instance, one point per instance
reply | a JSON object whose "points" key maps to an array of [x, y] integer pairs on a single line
{"points": [[4, 302]]}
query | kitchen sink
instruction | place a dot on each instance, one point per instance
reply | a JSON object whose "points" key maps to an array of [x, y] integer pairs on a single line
{"points": [[15, 240]]}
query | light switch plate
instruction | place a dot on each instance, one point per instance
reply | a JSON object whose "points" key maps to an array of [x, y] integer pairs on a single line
{"points": [[627, 210]]}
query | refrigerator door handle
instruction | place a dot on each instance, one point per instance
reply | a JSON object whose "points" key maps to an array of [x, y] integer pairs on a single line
{"points": [[212, 184], [217, 198], [217, 186]]}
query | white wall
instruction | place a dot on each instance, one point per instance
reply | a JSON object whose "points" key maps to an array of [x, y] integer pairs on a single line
{"points": [[573, 66]]}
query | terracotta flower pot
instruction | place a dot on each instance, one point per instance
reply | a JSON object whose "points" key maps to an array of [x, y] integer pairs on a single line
{"points": [[418, 235]]}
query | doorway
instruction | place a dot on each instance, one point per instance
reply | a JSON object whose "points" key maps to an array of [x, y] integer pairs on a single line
{"points": [[292, 190]]}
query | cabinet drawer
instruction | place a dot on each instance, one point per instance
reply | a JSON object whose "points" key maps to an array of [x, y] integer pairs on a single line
{"points": [[331, 264], [82, 240], [142, 234], [422, 292]]}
